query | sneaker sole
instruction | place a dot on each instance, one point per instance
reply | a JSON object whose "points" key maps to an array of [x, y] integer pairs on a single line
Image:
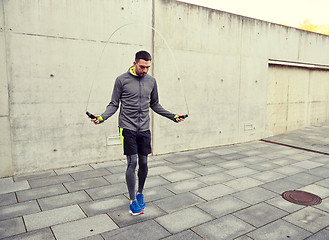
{"points": [[135, 214]]}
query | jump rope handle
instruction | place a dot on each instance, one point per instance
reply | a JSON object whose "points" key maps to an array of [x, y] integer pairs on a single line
{"points": [[92, 116], [181, 116]]}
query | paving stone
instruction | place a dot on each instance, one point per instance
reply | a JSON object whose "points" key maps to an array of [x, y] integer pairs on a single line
{"points": [[322, 192], [29, 176], [206, 155], [18, 210], [273, 155], [215, 178], [178, 202], [320, 172], [42, 234], [185, 186], [155, 181], [232, 164], [285, 205], [154, 163], [84, 227], [107, 191], [224, 151], [322, 159], [252, 152], [228, 227], [323, 183], [310, 219], [109, 164], [260, 214], [149, 230], [308, 164], [73, 169], [281, 185], [243, 183], [116, 178], [95, 237], [300, 157], [233, 156], [304, 178], [264, 166], [206, 170], [7, 199], [243, 238], [104, 205], [86, 184], [160, 170], [53, 217], [211, 161], [186, 165], [123, 218], [14, 187], [90, 174], [36, 193], [11, 227], [279, 230], [268, 176], [255, 195], [241, 172], [6, 180], [183, 219], [284, 161], [186, 235], [175, 158], [118, 169], [63, 200], [214, 191], [322, 235], [289, 170], [179, 175], [254, 160], [51, 180], [155, 193], [223, 206]]}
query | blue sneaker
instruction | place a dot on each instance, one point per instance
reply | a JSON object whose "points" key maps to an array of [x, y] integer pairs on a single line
{"points": [[135, 209], [140, 200]]}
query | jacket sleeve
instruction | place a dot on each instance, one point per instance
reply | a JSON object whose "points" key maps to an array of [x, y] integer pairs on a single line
{"points": [[113, 106], [156, 107]]}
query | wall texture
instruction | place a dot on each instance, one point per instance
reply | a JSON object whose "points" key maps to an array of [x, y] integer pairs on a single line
{"points": [[59, 57]]}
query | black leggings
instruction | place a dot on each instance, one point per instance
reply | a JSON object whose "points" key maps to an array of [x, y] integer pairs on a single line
{"points": [[131, 175]]}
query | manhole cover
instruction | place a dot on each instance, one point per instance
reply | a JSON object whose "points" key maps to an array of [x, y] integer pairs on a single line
{"points": [[301, 198]]}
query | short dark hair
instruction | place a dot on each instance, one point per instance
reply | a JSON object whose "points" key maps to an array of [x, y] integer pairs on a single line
{"points": [[143, 55]]}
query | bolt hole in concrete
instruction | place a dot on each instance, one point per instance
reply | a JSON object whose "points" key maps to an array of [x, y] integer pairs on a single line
{"points": [[301, 198]]}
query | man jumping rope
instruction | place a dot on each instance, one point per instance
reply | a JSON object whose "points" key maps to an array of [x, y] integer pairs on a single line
{"points": [[137, 92]]}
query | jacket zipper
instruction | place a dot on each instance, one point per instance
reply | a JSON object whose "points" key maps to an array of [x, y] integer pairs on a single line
{"points": [[140, 105]]}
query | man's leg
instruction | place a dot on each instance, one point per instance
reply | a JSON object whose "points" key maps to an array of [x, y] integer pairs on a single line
{"points": [[142, 172], [131, 175], [134, 207]]}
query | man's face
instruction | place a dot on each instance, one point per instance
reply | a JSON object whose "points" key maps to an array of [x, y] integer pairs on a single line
{"points": [[142, 67]]}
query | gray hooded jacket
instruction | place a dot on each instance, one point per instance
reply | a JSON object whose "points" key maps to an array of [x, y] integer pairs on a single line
{"points": [[137, 95]]}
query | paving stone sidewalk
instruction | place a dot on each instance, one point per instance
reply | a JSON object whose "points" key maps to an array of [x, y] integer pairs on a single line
{"points": [[228, 192]]}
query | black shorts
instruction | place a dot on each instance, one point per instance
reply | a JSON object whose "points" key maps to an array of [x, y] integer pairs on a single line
{"points": [[135, 142]]}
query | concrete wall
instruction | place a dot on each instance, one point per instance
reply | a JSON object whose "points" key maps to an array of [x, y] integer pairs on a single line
{"points": [[5, 140], [56, 51], [224, 66]]}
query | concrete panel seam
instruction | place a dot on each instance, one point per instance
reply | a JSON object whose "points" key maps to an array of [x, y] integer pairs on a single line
{"points": [[298, 64]]}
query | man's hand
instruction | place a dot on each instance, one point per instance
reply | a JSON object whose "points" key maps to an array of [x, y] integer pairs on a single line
{"points": [[180, 118], [95, 120]]}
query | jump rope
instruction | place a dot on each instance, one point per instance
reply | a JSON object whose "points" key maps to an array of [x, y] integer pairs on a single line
{"points": [[92, 116]]}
